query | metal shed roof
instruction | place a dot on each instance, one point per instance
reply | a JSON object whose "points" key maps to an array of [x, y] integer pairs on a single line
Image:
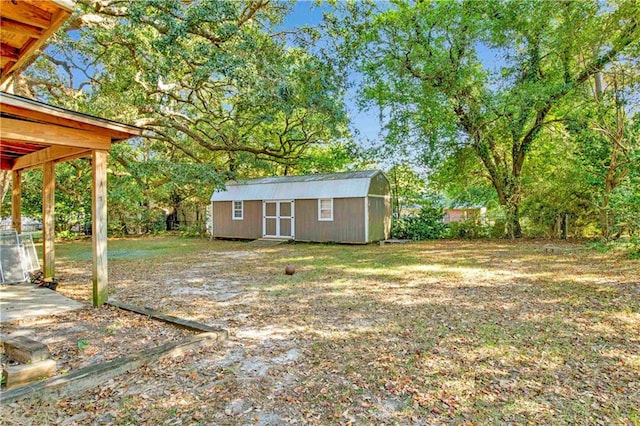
{"points": [[334, 185]]}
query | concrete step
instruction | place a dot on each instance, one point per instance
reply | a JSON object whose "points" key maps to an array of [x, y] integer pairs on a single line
{"points": [[268, 242]]}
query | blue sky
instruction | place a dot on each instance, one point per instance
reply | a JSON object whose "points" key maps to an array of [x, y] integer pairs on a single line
{"points": [[365, 123]]}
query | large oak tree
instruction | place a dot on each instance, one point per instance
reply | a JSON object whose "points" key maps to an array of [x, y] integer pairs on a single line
{"points": [[487, 76], [220, 88]]}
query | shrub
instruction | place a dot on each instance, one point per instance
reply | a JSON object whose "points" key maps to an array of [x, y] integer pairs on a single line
{"points": [[427, 225], [468, 229], [634, 247], [498, 229]]}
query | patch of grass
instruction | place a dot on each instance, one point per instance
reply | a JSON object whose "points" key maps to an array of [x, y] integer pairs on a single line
{"points": [[132, 248], [601, 246], [630, 247], [82, 344]]}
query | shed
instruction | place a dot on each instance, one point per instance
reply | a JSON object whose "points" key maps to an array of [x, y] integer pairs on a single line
{"points": [[348, 207]]}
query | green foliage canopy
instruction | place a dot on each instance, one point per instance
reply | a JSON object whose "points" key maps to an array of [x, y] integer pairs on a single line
{"points": [[217, 87], [422, 69]]}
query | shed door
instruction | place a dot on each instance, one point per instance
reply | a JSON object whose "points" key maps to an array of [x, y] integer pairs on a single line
{"points": [[278, 219]]}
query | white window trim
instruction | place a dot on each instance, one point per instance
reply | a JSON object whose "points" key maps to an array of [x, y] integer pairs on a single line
{"points": [[320, 218], [233, 210]]}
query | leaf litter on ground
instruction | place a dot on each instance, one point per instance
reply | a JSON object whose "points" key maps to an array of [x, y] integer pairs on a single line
{"points": [[427, 333]]}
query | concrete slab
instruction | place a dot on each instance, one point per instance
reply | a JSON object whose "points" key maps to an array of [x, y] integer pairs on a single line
{"points": [[22, 301]]}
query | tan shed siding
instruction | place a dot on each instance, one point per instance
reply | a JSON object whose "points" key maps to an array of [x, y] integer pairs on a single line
{"points": [[379, 218], [379, 185], [347, 225], [379, 208], [249, 227]]}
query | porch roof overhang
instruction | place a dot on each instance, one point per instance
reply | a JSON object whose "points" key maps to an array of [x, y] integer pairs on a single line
{"points": [[26, 26], [33, 133]]}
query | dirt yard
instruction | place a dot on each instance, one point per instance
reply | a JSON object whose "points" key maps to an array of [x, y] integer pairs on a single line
{"points": [[426, 333]]}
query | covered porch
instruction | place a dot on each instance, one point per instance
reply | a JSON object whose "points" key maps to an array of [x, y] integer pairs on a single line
{"points": [[37, 135], [34, 134]]}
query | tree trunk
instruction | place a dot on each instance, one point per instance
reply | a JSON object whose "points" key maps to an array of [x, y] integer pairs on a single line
{"points": [[513, 229], [605, 217], [172, 220], [513, 196], [5, 180], [565, 226]]}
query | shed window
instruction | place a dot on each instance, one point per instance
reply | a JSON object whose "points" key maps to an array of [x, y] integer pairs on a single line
{"points": [[238, 210], [325, 209]]}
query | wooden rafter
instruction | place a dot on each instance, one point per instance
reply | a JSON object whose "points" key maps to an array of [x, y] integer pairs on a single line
{"points": [[53, 153], [26, 13], [11, 151], [33, 134], [26, 26], [9, 52], [61, 117], [18, 28], [26, 131], [19, 148]]}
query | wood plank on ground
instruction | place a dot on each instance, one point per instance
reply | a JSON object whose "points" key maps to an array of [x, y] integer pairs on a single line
{"points": [[92, 376], [179, 322]]}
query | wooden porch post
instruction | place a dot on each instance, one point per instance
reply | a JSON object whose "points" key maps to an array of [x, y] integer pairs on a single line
{"points": [[99, 226], [48, 219], [16, 201]]}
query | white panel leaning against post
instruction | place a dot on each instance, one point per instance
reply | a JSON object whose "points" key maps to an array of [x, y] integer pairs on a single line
{"points": [[17, 257]]}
